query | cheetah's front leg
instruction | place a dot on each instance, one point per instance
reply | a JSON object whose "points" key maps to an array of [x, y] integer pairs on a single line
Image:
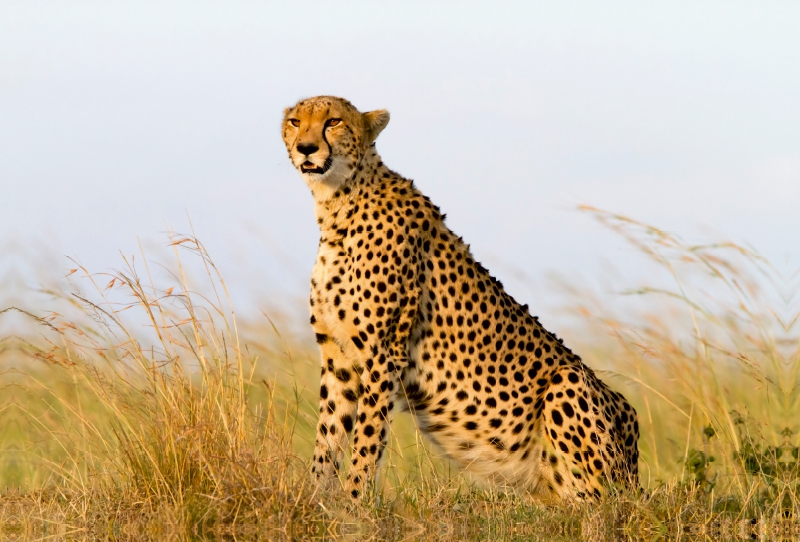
{"points": [[381, 383], [338, 396]]}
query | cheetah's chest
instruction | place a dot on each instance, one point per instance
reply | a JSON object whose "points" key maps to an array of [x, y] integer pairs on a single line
{"points": [[330, 290]]}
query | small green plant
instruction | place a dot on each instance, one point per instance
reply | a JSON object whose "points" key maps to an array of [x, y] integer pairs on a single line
{"points": [[698, 464], [775, 468]]}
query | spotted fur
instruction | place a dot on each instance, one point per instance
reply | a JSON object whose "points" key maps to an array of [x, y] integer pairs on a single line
{"points": [[406, 318]]}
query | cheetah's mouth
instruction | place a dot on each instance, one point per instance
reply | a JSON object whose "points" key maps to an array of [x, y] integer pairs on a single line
{"points": [[309, 167]]}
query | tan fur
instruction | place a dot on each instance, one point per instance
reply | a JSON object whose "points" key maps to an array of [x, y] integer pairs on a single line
{"points": [[405, 317]]}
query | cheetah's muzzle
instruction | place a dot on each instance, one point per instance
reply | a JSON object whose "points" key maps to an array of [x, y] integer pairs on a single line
{"points": [[310, 167]]}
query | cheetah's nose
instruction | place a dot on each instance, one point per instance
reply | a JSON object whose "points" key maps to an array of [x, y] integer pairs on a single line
{"points": [[307, 148]]}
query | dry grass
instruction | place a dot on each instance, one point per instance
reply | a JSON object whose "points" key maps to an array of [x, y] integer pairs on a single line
{"points": [[144, 410]]}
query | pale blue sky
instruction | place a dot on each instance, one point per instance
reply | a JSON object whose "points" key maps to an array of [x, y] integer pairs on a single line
{"points": [[117, 117]]}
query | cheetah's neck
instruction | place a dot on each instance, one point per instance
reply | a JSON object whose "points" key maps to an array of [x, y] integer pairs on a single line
{"points": [[333, 207]]}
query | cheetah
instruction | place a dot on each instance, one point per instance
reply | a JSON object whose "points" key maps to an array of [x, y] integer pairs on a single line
{"points": [[406, 318]]}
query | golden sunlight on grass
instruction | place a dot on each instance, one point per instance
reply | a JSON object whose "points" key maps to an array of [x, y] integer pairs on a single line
{"points": [[137, 406]]}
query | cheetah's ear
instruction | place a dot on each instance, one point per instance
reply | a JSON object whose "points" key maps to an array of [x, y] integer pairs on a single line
{"points": [[375, 122], [286, 111]]}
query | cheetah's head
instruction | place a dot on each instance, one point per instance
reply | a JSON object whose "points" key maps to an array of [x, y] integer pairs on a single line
{"points": [[326, 138]]}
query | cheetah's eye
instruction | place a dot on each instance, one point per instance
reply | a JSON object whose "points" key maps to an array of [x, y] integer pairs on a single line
{"points": [[294, 122], [334, 122]]}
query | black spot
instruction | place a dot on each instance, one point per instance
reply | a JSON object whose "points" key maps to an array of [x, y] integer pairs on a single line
{"points": [[557, 418], [568, 410]]}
